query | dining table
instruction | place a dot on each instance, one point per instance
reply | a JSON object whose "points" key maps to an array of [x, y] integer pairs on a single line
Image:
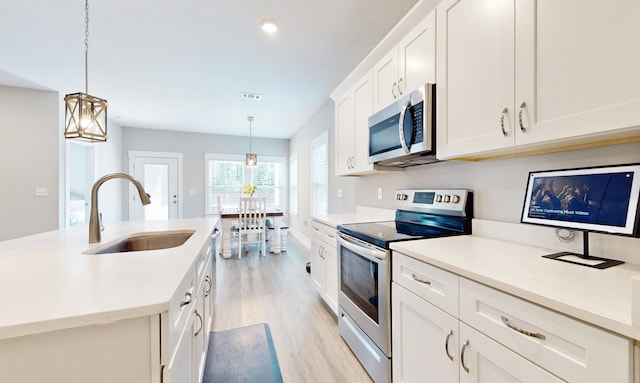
{"points": [[229, 215]]}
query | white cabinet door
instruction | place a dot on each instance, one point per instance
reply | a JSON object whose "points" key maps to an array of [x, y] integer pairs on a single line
{"points": [[475, 76], [385, 80], [344, 134], [317, 266], [483, 360], [424, 340], [180, 367], [362, 109], [331, 271], [576, 68], [417, 55]]}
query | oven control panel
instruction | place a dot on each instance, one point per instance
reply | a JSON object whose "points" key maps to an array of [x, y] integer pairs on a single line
{"points": [[437, 201]]}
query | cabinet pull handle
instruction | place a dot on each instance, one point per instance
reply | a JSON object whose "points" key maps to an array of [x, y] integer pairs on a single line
{"points": [[464, 347], [525, 332], [208, 290], [504, 111], [415, 278], [201, 324], [446, 345], [522, 106], [393, 90], [400, 86], [185, 300]]}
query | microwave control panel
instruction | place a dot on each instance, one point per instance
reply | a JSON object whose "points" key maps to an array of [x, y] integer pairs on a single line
{"points": [[437, 201]]}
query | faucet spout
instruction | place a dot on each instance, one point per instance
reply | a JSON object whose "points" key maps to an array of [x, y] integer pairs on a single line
{"points": [[95, 232]]}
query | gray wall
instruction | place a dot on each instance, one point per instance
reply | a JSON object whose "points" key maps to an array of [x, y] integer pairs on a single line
{"points": [[28, 159], [194, 146], [498, 184]]}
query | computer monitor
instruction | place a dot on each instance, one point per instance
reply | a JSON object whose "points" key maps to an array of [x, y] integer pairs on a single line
{"points": [[601, 199]]}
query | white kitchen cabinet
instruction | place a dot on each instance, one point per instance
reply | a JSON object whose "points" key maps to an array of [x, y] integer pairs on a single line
{"points": [[494, 337], [324, 263], [424, 340], [352, 129], [408, 65], [483, 360], [522, 75]]}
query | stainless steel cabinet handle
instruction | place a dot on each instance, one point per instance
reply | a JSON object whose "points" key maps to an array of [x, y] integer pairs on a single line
{"points": [[415, 278], [464, 347], [208, 290], [521, 331], [446, 345], [400, 86], [522, 106], [185, 300], [504, 111], [393, 90], [201, 324]]}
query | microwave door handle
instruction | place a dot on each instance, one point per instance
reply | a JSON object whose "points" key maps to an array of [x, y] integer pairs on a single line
{"points": [[370, 254], [403, 142]]}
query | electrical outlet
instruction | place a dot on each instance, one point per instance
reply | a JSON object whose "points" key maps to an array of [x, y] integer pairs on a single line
{"points": [[42, 191], [379, 193], [339, 194]]}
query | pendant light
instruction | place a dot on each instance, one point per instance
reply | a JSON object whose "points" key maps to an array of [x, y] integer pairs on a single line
{"points": [[85, 115], [252, 159]]}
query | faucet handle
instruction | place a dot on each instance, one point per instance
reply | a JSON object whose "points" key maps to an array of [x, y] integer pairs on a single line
{"points": [[100, 222]]}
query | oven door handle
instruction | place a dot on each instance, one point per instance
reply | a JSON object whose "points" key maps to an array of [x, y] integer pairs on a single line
{"points": [[371, 254]]}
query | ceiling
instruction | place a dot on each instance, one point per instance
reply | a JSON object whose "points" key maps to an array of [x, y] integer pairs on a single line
{"points": [[183, 64]]}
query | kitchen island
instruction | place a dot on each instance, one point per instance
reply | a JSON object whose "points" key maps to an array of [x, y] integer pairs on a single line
{"points": [[69, 316]]}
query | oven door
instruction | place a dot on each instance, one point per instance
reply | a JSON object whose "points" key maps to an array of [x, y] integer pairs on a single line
{"points": [[364, 288]]}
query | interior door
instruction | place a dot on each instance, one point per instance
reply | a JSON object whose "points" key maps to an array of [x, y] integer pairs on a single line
{"points": [[159, 176]]}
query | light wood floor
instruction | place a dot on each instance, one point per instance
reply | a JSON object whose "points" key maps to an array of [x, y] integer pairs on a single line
{"points": [[277, 290]]}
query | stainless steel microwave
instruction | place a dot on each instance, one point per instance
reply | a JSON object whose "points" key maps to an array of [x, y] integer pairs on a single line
{"points": [[403, 133]]}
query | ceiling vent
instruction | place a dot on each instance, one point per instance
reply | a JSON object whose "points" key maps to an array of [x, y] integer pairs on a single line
{"points": [[251, 96]]}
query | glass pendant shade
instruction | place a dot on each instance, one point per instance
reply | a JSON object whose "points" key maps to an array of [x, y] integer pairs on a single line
{"points": [[85, 117], [251, 160]]}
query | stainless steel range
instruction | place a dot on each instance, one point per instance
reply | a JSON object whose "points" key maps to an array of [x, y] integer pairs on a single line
{"points": [[364, 267]]}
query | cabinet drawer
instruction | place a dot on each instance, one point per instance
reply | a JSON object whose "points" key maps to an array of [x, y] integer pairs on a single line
{"points": [[570, 349], [180, 308], [435, 285], [324, 233]]}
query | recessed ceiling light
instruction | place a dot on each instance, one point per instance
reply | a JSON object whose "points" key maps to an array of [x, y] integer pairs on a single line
{"points": [[269, 26]]}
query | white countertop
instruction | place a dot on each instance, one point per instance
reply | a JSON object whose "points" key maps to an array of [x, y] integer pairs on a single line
{"points": [[362, 214], [600, 297], [47, 283]]}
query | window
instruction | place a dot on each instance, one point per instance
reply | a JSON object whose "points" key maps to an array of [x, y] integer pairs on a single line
{"points": [[293, 185], [226, 176], [319, 175]]}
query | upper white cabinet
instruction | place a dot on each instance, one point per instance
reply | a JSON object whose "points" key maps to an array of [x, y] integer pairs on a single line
{"points": [[352, 129], [408, 65], [523, 74]]}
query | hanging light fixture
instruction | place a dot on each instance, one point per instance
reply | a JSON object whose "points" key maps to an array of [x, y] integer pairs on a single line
{"points": [[252, 159], [85, 115]]}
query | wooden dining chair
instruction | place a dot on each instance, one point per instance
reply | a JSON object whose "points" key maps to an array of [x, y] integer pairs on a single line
{"points": [[251, 226]]}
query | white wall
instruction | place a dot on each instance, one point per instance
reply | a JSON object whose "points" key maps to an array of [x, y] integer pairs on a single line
{"points": [[109, 160], [193, 146], [28, 160]]}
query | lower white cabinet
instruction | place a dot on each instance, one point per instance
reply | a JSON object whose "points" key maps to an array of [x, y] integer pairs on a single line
{"points": [[324, 263], [495, 338], [424, 340]]}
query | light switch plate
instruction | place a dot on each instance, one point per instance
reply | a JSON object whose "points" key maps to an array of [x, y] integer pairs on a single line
{"points": [[42, 191]]}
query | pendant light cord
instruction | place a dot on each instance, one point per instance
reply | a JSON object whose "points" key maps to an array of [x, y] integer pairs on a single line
{"points": [[86, 46]]}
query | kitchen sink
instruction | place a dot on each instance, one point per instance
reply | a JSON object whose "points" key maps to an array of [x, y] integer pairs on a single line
{"points": [[145, 241]]}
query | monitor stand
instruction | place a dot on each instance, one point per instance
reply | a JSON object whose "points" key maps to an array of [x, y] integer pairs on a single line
{"points": [[584, 259]]}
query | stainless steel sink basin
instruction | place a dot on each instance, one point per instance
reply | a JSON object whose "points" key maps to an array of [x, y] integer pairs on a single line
{"points": [[146, 241]]}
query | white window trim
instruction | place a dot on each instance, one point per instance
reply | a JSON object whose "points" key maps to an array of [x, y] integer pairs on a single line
{"points": [[319, 140]]}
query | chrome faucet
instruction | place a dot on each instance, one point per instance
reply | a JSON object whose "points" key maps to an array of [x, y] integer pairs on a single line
{"points": [[95, 220]]}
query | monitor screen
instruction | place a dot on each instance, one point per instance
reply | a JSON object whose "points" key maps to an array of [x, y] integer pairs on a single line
{"points": [[602, 199]]}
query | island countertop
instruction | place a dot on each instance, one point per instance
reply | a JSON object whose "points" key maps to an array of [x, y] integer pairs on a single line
{"points": [[48, 283]]}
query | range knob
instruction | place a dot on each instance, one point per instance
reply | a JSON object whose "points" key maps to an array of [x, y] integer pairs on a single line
{"points": [[455, 198], [401, 197], [447, 198], [438, 198], [404, 197]]}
